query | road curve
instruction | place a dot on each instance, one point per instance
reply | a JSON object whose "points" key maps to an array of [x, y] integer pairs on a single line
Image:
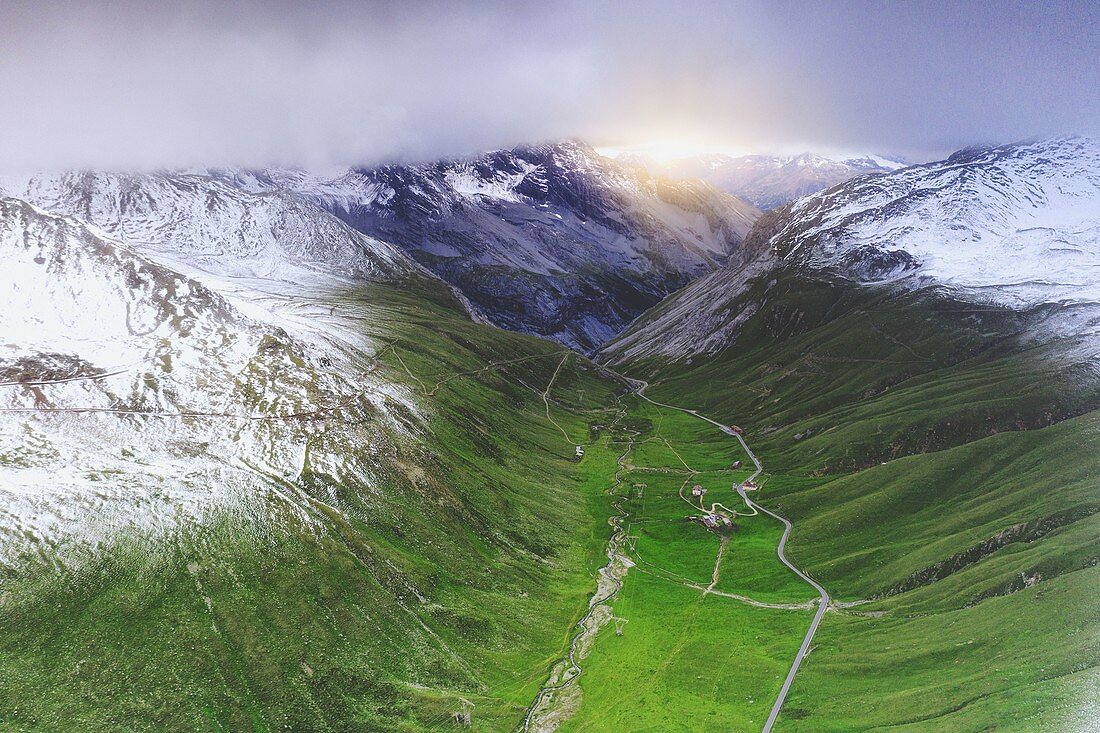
{"points": [[823, 604], [824, 598]]}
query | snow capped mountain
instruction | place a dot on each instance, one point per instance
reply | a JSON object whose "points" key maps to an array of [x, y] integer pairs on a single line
{"points": [[213, 226], [135, 399], [1016, 226], [554, 239], [82, 294], [768, 181]]}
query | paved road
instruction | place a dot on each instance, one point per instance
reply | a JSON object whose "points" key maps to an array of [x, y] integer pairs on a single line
{"points": [[822, 605], [824, 599]]}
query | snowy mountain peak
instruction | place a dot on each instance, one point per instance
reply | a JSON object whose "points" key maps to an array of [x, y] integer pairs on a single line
{"points": [[1015, 226], [212, 225]]}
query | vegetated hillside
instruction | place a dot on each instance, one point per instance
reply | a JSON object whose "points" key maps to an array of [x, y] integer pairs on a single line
{"points": [[1017, 226], [934, 436], [553, 240], [768, 181], [280, 506], [933, 457]]}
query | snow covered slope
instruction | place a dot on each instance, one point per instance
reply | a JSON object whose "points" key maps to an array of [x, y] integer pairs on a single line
{"points": [[134, 399], [1016, 226], [554, 239], [214, 226], [768, 181]]}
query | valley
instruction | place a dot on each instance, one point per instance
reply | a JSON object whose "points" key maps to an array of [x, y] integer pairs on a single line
{"points": [[558, 703], [265, 470], [226, 584], [570, 367]]}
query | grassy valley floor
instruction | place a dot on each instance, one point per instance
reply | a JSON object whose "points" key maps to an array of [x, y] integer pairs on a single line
{"points": [[943, 479], [954, 525], [706, 624]]}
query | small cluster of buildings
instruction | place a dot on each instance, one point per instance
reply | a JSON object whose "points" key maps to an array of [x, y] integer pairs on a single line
{"points": [[715, 521]]}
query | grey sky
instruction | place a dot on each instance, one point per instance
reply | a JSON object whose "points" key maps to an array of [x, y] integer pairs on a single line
{"points": [[125, 84]]}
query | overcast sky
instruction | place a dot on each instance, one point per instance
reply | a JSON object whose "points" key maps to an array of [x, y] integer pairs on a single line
{"points": [[121, 84]]}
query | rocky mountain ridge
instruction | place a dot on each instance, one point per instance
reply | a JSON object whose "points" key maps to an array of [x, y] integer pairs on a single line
{"points": [[554, 239], [1015, 226]]}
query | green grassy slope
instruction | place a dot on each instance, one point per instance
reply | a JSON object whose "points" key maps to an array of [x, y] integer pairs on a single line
{"points": [[686, 662], [343, 606], [675, 657], [939, 466]]}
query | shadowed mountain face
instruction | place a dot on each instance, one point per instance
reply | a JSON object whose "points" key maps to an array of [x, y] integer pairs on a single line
{"points": [[553, 240]]}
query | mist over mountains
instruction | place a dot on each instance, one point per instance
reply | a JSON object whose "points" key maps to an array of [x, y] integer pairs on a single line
{"points": [[767, 181], [359, 437]]}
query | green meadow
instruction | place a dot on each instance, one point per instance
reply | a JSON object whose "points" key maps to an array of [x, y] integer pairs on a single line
{"points": [[942, 474], [942, 479]]}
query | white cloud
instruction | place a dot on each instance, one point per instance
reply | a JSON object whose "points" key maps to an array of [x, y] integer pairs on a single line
{"points": [[136, 85]]}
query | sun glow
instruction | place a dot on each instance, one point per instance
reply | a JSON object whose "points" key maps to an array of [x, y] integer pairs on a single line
{"points": [[669, 149]]}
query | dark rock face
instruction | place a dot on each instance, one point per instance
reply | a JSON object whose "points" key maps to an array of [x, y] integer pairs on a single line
{"points": [[870, 264], [553, 240]]}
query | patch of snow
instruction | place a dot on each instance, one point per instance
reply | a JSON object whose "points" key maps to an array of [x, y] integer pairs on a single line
{"points": [[464, 179], [135, 400], [1016, 226]]}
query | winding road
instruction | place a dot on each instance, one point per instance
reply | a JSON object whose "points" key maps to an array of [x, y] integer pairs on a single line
{"points": [[823, 596], [822, 606]]}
